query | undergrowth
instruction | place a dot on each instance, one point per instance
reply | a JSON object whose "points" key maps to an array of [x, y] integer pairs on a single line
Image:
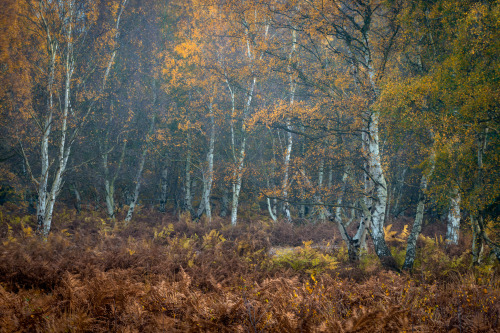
{"points": [[173, 274]]}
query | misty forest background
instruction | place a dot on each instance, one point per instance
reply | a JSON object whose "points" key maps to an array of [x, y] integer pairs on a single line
{"points": [[367, 131]]}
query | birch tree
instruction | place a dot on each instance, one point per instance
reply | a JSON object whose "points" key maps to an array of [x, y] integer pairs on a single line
{"points": [[64, 27]]}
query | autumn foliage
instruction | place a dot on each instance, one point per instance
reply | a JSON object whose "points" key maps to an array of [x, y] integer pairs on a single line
{"points": [[249, 166]]}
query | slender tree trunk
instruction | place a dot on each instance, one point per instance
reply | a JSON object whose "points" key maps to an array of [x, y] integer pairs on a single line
{"points": [[237, 178], [379, 201], [138, 180], [288, 152], [225, 203], [41, 207], [453, 225], [110, 198], [399, 192], [411, 247], [109, 180], [46, 197], [321, 172], [78, 198], [476, 216], [208, 173], [351, 243], [238, 173], [139, 174], [163, 189], [188, 206], [477, 241], [64, 148], [270, 207]]}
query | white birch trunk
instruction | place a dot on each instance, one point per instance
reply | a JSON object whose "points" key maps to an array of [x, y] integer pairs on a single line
{"points": [[238, 173], [208, 173], [188, 206], [44, 151], [289, 145], [411, 247], [453, 225], [46, 197], [49, 197], [270, 207], [139, 175], [237, 184], [376, 174], [288, 153], [109, 180], [138, 179]]}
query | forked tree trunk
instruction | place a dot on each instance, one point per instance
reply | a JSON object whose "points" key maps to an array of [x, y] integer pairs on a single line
{"points": [[270, 207], [41, 206], [46, 197], [109, 180], [240, 160], [353, 244]]}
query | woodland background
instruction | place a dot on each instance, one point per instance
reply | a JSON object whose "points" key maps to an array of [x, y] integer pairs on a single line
{"points": [[249, 165]]}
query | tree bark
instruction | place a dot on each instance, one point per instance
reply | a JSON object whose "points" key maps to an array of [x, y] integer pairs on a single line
{"points": [[411, 247], [288, 152], [238, 174], [376, 176], [453, 225], [188, 206], [109, 180], [208, 173], [139, 174], [46, 196], [240, 160], [224, 202], [163, 189], [78, 198]]}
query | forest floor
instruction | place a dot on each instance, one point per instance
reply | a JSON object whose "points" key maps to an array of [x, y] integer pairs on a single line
{"points": [[172, 274]]}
